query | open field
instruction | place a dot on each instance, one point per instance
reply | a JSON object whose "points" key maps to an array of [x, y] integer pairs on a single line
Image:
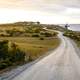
{"points": [[24, 43], [29, 37], [34, 46]]}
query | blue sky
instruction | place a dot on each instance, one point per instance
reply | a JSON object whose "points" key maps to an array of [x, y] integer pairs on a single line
{"points": [[45, 11]]}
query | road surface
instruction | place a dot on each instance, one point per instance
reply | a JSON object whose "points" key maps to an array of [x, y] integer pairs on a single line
{"points": [[61, 64]]}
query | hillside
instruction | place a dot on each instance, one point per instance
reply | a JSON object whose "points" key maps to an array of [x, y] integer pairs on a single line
{"points": [[30, 38]]}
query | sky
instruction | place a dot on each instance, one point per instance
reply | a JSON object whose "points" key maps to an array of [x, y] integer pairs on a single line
{"points": [[45, 11]]}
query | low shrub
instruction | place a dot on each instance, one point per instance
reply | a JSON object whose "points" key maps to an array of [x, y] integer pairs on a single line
{"points": [[41, 38], [9, 56], [3, 65], [35, 35]]}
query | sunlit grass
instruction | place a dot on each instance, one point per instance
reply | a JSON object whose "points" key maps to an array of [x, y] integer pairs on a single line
{"points": [[34, 46]]}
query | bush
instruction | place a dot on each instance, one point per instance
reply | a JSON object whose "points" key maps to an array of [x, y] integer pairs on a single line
{"points": [[35, 35], [10, 56], [55, 34], [48, 34], [30, 58], [3, 65], [6, 61], [72, 34], [41, 38], [3, 49], [13, 32], [19, 55]]}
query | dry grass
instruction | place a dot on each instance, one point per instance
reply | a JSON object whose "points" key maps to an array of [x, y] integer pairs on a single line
{"points": [[34, 46]]}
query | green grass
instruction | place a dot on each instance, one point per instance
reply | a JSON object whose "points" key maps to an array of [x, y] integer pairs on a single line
{"points": [[34, 46], [73, 35], [78, 43]]}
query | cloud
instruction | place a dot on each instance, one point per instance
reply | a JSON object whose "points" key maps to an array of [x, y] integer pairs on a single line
{"points": [[60, 10], [67, 3], [17, 4], [44, 5]]}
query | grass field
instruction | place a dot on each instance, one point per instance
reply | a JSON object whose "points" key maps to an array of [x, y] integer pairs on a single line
{"points": [[32, 38], [74, 35], [29, 40], [78, 43], [34, 46]]}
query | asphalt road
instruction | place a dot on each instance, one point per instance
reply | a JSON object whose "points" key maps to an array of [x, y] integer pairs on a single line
{"points": [[61, 64]]}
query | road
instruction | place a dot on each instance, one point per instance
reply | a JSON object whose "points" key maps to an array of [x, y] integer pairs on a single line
{"points": [[61, 64]]}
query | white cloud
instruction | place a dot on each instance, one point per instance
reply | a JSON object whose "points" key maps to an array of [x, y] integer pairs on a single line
{"points": [[46, 11]]}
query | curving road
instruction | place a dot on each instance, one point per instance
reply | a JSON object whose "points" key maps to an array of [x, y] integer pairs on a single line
{"points": [[61, 64]]}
